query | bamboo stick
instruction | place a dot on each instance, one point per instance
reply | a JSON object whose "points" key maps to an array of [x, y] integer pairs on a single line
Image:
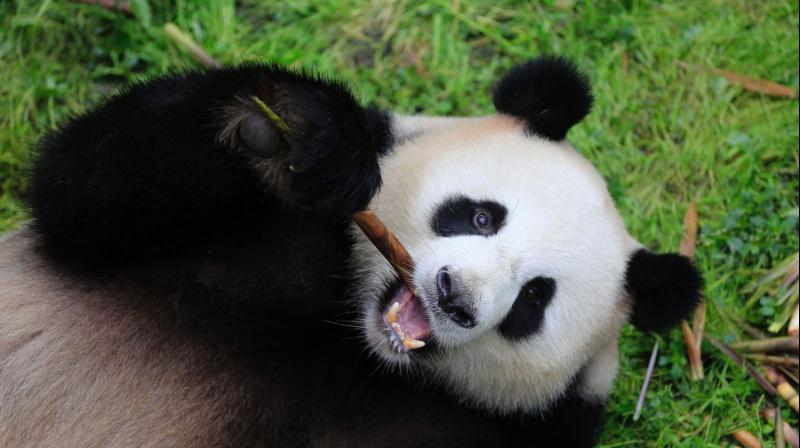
{"points": [[698, 325], [747, 439], [785, 390], [692, 351], [388, 245], [791, 374], [786, 344], [693, 338], [794, 323], [774, 360]]}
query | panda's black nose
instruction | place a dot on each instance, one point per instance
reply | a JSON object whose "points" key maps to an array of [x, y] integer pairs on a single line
{"points": [[451, 301]]}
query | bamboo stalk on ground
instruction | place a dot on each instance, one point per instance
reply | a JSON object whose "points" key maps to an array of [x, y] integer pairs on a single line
{"points": [[774, 360], [692, 352], [794, 323], [689, 240], [792, 375], [693, 337], [787, 344], [785, 390], [699, 325], [747, 439]]}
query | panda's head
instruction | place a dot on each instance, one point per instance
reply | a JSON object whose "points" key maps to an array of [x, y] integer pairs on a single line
{"points": [[523, 268]]}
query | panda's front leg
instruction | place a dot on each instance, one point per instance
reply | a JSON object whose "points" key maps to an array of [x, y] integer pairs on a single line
{"points": [[316, 150], [186, 164]]}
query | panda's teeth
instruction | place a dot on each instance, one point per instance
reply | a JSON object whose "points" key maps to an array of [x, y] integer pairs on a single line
{"points": [[412, 344], [398, 330], [391, 315], [399, 340]]}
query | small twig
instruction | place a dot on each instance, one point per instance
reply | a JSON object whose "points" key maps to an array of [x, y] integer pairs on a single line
{"points": [[112, 5], [188, 44], [738, 360], [748, 83], [787, 344], [648, 375]]}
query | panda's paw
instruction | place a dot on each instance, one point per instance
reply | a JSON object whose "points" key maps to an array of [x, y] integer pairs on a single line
{"points": [[315, 151]]}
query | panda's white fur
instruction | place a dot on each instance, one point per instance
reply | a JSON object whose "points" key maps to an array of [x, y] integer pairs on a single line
{"points": [[562, 223]]}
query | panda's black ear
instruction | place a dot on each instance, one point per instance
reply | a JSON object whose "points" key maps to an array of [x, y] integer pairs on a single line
{"points": [[664, 289], [549, 93]]}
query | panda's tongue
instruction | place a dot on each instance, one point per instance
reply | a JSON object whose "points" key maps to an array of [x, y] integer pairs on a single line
{"points": [[405, 316]]}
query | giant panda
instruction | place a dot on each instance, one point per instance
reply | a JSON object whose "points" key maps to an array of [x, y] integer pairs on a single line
{"points": [[191, 275]]}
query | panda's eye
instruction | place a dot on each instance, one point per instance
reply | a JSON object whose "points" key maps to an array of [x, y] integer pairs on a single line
{"points": [[481, 219], [538, 290]]}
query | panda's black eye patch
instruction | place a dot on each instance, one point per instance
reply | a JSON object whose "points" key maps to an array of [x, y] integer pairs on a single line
{"points": [[461, 215], [527, 313]]}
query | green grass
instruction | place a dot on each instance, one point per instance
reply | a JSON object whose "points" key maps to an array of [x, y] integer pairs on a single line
{"points": [[661, 135]]}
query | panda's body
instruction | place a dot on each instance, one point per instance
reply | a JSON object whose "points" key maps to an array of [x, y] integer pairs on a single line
{"points": [[191, 277]]}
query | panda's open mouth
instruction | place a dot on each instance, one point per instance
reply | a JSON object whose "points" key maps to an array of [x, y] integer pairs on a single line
{"points": [[406, 320]]}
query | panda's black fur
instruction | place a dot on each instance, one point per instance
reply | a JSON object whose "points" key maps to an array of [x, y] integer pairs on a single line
{"points": [[140, 197], [143, 174], [549, 93]]}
